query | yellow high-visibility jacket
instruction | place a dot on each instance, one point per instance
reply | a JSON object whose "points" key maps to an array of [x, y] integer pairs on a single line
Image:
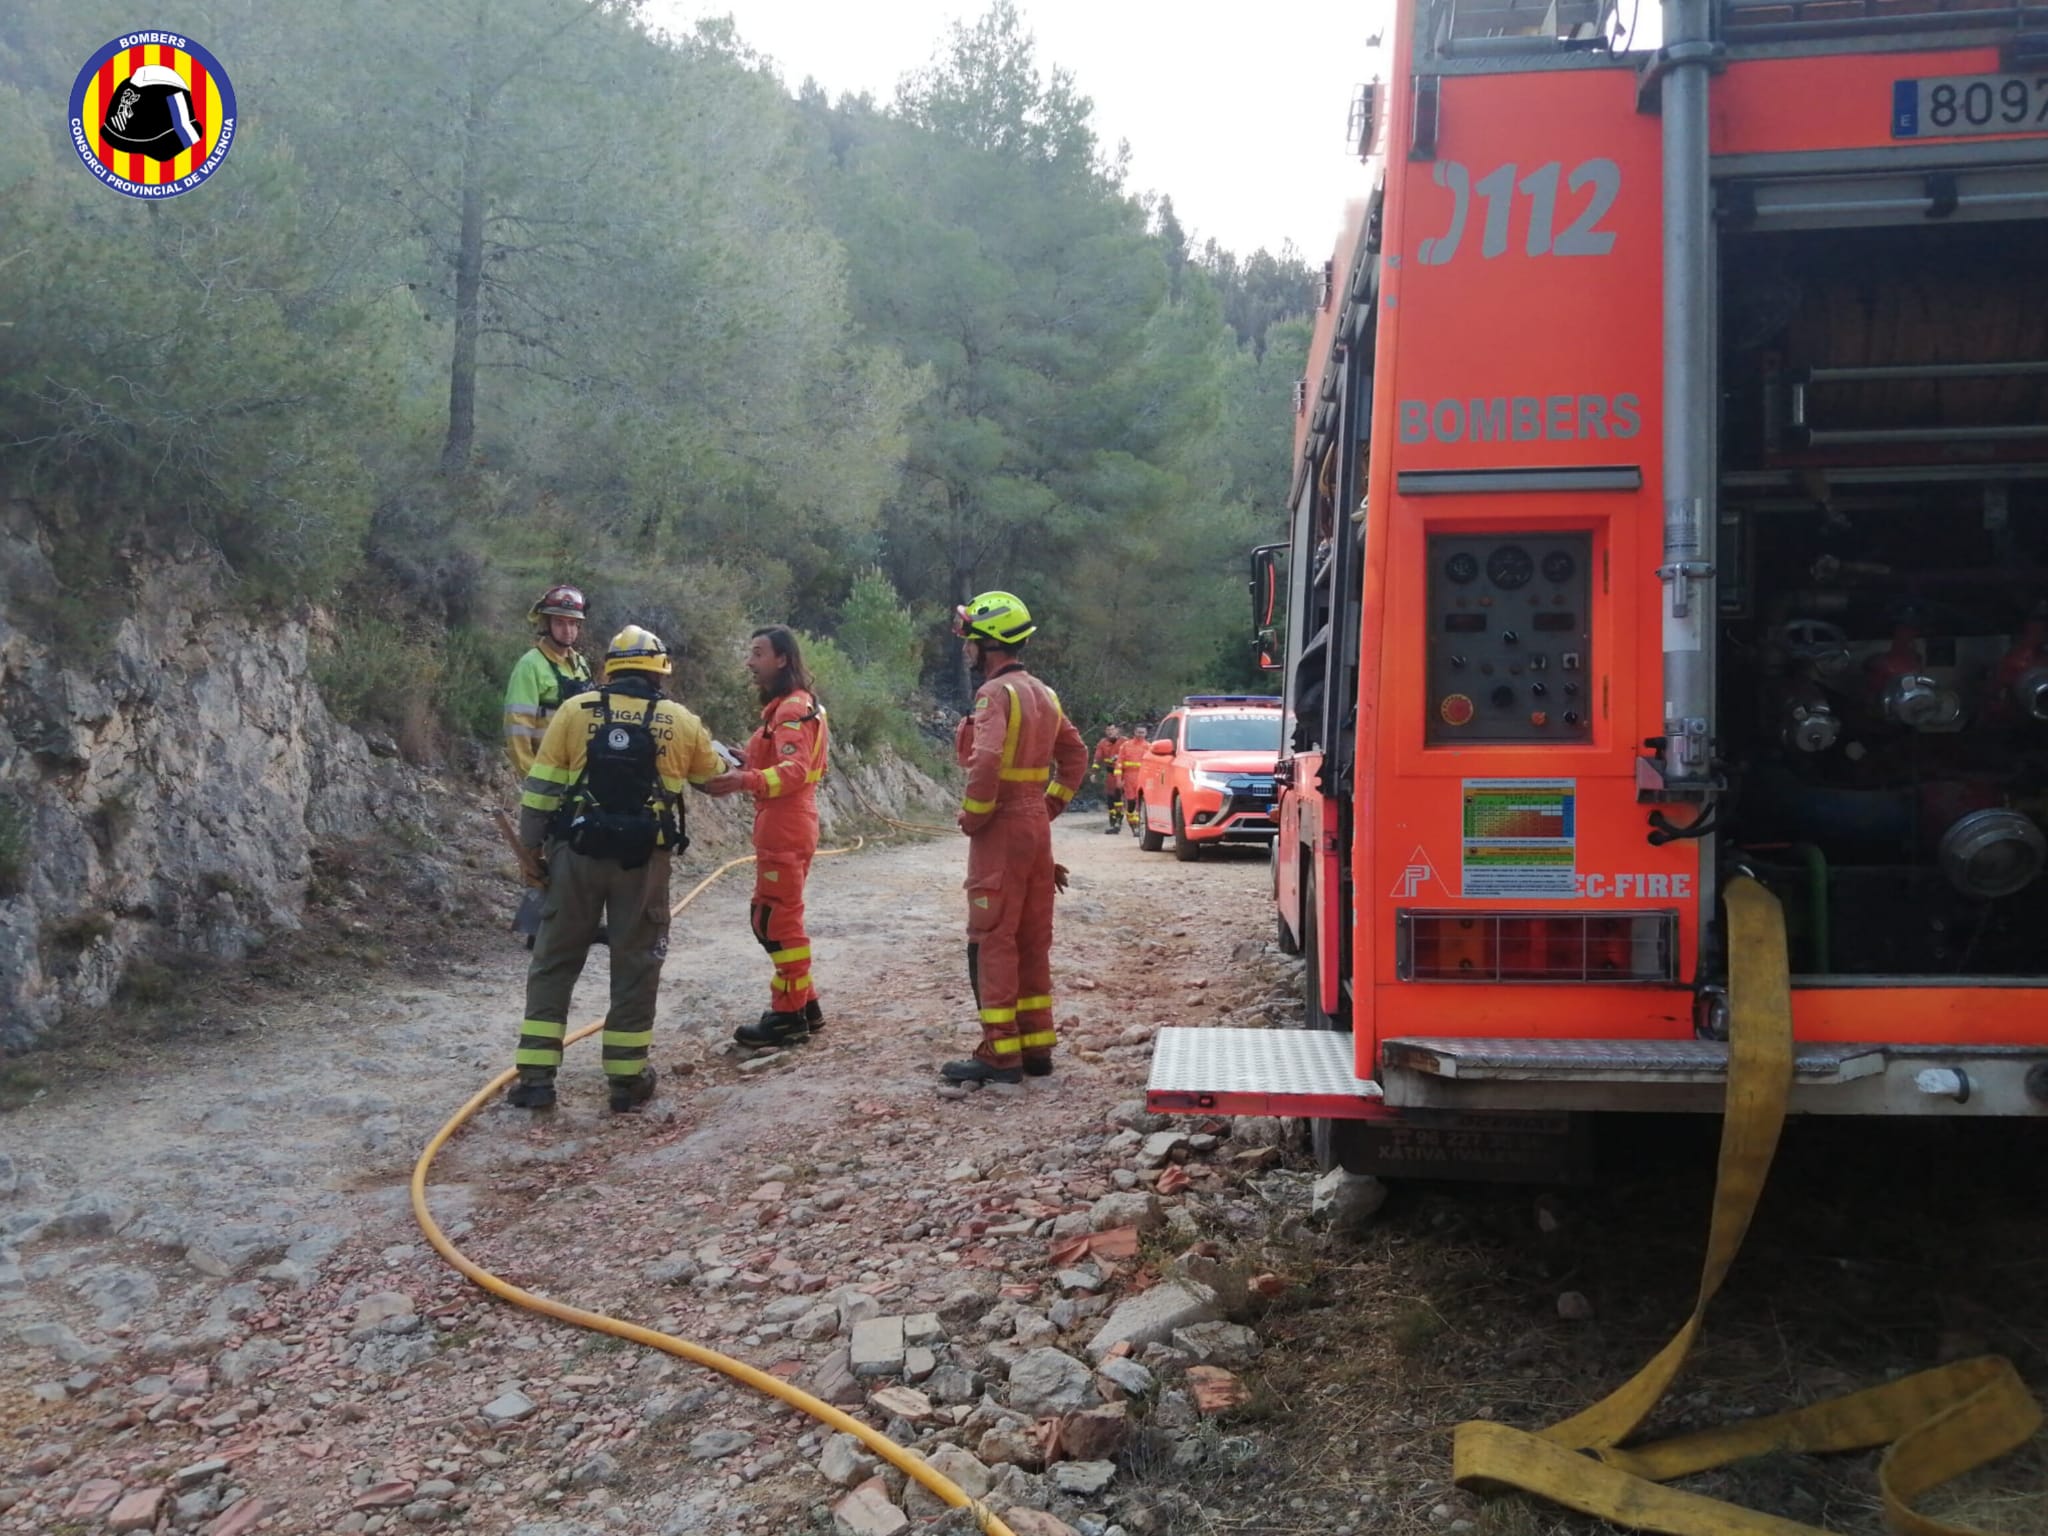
{"points": [[683, 755], [540, 680]]}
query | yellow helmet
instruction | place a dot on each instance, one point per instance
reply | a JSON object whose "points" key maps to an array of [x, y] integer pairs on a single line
{"points": [[634, 649], [1000, 617]]}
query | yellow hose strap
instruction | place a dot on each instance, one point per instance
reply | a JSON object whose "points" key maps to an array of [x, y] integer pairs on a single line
{"points": [[1936, 1425]]}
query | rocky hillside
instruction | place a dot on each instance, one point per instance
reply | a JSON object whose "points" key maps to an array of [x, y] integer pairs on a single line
{"points": [[167, 784]]}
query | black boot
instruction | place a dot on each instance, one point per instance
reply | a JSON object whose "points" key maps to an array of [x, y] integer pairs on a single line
{"points": [[774, 1029], [973, 1071], [532, 1093], [629, 1093], [814, 1016], [1037, 1066]]}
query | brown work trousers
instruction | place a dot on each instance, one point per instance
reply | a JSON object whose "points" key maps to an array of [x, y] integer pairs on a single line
{"points": [[633, 906]]}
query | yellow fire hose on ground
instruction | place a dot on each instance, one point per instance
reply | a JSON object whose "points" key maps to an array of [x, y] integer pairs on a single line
{"points": [[906, 1462], [1935, 1425]]}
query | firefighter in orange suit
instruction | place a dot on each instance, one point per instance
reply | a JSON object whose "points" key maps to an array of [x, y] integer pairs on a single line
{"points": [[1024, 760], [1134, 749], [785, 761], [1109, 754]]}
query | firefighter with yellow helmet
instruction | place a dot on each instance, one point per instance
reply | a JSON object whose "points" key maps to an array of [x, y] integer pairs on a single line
{"points": [[601, 815], [1024, 760], [552, 671]]}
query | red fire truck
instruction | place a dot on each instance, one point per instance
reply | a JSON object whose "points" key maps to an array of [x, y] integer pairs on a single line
{"points": [[1670, 500]]}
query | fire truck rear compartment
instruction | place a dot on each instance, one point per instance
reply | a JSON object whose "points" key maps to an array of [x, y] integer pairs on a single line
{"points": [[1883, 673]]}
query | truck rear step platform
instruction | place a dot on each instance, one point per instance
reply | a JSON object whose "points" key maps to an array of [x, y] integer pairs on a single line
{"points": [[1309, 1072], [1612, 1061], [1258, 1072]]}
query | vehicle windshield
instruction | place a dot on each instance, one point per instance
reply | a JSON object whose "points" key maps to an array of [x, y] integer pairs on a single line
{"points": [[1234, 733]]}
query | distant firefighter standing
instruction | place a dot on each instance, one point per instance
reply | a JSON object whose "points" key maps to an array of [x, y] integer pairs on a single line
{"points": [[1109, 754], [547, 675]]}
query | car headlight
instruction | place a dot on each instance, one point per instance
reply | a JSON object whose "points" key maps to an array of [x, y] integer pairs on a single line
{"points": [[1205, 780]]}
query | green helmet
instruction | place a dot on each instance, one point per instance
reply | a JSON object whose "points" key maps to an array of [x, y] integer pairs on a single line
{"points": [[998, 617]]}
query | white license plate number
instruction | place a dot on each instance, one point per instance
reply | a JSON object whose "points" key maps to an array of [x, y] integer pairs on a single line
{"points": [[1957, 106]]}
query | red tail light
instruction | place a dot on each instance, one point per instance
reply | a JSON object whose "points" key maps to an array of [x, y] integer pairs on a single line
{"points": [[1537, 946]]}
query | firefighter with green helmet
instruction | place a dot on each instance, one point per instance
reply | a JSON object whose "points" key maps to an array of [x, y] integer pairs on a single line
{"points": [[601, 814], [552, 671], [1024, 760]]}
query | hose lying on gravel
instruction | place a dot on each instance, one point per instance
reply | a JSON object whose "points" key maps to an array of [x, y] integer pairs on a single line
{"points": [[905, 1461]]}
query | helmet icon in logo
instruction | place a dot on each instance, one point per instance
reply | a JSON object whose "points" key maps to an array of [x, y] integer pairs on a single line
{"points": [[151, 114], [619, 740]]}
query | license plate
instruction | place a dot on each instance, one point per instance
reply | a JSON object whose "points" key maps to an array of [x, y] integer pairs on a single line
{"points": [[1955, 106]]}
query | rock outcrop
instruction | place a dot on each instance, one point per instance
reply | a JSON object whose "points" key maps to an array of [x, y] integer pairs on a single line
{"points": [[162, 784], [166, 781]]}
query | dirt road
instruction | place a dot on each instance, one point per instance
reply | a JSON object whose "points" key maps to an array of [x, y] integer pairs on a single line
{"points": [[199, 1254], [228, 1322]]}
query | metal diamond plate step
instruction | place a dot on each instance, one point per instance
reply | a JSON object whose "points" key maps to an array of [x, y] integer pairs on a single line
{"points": [[1612, 1061], [1258, 1072]]}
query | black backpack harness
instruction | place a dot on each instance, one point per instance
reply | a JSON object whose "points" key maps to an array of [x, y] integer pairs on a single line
{"points": [[618, 808]]}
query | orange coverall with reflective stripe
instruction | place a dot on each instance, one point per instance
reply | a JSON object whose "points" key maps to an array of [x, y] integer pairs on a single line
{"points": [[1131, 756], [784, 763], [1109, 757], [1024, 759]]}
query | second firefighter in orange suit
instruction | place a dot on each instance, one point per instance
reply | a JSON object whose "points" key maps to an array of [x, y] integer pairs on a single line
{"points": [[1132, 755], [784, 763], [1024, 760], [1109, 754]]}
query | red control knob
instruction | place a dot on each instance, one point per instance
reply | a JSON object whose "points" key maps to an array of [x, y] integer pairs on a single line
{"points": [[1456, 709]]}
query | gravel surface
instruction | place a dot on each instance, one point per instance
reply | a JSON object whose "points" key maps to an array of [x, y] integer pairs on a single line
{"points": [[210, 1264]]}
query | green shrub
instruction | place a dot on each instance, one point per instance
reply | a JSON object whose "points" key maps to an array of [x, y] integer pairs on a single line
{"points": [[368, 673], [469, 693], [866, 672]]}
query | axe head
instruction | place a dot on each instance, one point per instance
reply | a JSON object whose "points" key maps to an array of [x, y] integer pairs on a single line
{"points": [[526, 921]]}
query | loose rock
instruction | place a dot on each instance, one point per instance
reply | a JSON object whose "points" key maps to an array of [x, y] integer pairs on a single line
{"points": [[1152, 1316], [1051, 1381], [866, 1511]]}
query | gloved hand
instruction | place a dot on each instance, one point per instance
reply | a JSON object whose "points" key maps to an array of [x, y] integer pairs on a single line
{"points": [[1059, 878]]}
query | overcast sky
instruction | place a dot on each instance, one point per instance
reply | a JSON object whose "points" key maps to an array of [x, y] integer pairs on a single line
{"points": [[1239, 120]]}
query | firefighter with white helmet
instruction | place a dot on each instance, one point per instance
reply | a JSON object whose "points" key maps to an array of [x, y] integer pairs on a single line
{"points": [[554, 670], [1024, 760], [601, 815]]}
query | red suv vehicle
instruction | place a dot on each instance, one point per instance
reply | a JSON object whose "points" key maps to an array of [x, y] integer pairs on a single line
{"points": [[1208, 777]]}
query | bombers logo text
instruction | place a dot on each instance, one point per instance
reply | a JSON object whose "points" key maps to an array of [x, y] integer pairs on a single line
{"points": [[152, 114]]}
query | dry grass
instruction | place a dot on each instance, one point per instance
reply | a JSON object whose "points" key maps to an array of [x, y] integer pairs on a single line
{"points": [[1877, 1251]]}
